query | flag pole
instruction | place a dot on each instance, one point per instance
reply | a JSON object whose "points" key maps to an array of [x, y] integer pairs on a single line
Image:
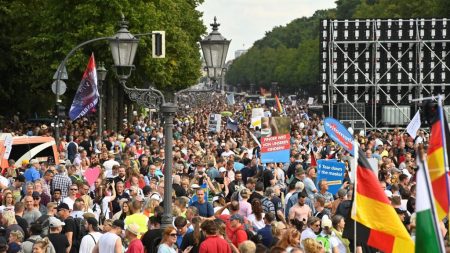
{"points": [[356, 156], [444, 128], [436, 221]]}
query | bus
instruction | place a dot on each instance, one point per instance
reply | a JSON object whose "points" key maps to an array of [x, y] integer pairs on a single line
{"points": [[20, 148]]}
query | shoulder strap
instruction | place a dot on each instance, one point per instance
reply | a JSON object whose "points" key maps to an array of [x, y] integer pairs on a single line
{"points": [[30, 240], [95, 242]]}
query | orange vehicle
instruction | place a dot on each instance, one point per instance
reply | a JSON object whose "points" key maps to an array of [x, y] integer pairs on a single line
{"points": [[22, 148]]}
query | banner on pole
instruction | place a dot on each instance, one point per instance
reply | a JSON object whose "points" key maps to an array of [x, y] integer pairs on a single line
{"points": [[333, 172], [87, 94], [275, 139], [230, 99]]}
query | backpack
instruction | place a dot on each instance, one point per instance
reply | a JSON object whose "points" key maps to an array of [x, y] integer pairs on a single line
{"points": [[325, 241], [267, 205], [44, 220], [79, 233]]}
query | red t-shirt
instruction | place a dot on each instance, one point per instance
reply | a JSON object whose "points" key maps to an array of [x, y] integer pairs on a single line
{"points": [[214, 244], [135, 246]]}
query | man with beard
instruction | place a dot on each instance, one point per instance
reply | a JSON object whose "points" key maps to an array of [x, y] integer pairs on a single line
{"points": [[236, 185], [300, 211], [122, 176]]}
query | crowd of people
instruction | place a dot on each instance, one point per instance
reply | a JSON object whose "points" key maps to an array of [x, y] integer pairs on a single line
{"points": [[223, 198]]}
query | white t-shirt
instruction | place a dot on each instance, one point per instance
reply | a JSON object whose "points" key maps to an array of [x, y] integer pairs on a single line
{"points": [[257, 224], [89, 241], [105, 207], [109, 164], [107, 243], [69, 202]]}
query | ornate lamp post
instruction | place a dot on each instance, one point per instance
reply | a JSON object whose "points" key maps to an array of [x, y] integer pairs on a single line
{"points": [[101, 76], [123, 48], [215, 49]]}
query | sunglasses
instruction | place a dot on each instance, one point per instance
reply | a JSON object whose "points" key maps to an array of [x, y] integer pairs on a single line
{"points": [[36, 198], [173, 234]]}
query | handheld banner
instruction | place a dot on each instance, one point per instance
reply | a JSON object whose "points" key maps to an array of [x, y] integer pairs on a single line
{"points": [[275, 139], [333, 172], [215, 122], [338, 133]]}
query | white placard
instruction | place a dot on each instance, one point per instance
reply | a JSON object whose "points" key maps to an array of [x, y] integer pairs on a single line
{"points": [[8, 146], [214, 123], [310, 100], [414, 125]]}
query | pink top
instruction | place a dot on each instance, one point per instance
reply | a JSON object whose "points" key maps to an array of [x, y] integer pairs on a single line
{"points": [[245, 208]]}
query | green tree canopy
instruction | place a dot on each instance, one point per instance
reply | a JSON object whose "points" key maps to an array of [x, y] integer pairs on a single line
{"points": [[36, 36]]}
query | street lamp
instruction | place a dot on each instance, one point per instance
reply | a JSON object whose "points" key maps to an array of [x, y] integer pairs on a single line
{"points": [[123, 48], [215, 49], [101, 76]]}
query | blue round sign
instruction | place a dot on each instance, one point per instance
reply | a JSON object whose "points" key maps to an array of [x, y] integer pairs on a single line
{"points": [[338, 133]]}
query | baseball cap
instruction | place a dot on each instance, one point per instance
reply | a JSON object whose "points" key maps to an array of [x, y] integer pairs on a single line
{"points": [[237, 217], [25, 162], [222, 169], [326, 223], [63, 206], [195, 186], [55, 222], [34, 161], [133, 228]]}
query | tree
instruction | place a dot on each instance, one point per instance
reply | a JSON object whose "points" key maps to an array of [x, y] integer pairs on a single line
{"points": [[41, 33]]}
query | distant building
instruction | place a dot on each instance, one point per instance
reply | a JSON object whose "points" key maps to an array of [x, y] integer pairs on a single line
{"points": [[240, 52]]}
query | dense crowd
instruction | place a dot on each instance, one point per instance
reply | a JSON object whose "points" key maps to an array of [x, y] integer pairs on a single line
{"points": [[223, 199]]}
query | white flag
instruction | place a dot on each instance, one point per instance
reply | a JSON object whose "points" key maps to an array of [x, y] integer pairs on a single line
{"points": [[310, 100], [414, 125]]}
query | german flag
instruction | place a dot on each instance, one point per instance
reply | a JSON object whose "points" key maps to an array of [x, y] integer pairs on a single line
{"points": [[437, 158], [378, 225]]}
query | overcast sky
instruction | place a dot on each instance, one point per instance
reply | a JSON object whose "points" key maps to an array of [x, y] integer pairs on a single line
{"points": [[246, 21]]}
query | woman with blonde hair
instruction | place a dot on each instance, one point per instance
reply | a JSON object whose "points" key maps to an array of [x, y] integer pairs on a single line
{"points": [[10, 222], [312, 246], [247, 247], [15, 241], [41, 246], [290, 239], [149, 208], [278, 229]]}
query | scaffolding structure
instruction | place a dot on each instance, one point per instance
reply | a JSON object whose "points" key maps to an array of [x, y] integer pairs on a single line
{"points": [[382, 64]]}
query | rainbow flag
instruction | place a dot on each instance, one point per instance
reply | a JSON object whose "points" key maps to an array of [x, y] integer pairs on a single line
{"points": [[437, 159], [280, 108], [378, 224]]}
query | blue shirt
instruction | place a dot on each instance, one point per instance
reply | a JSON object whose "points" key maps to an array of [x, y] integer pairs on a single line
{"points": [[266, 234], [205, 209], [31, 174]]}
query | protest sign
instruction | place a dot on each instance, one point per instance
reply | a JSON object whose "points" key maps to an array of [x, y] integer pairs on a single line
{"points": [[232, 125], [333, 172], [257, 113], [214, 123], [338, 133], [275, 139]]}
